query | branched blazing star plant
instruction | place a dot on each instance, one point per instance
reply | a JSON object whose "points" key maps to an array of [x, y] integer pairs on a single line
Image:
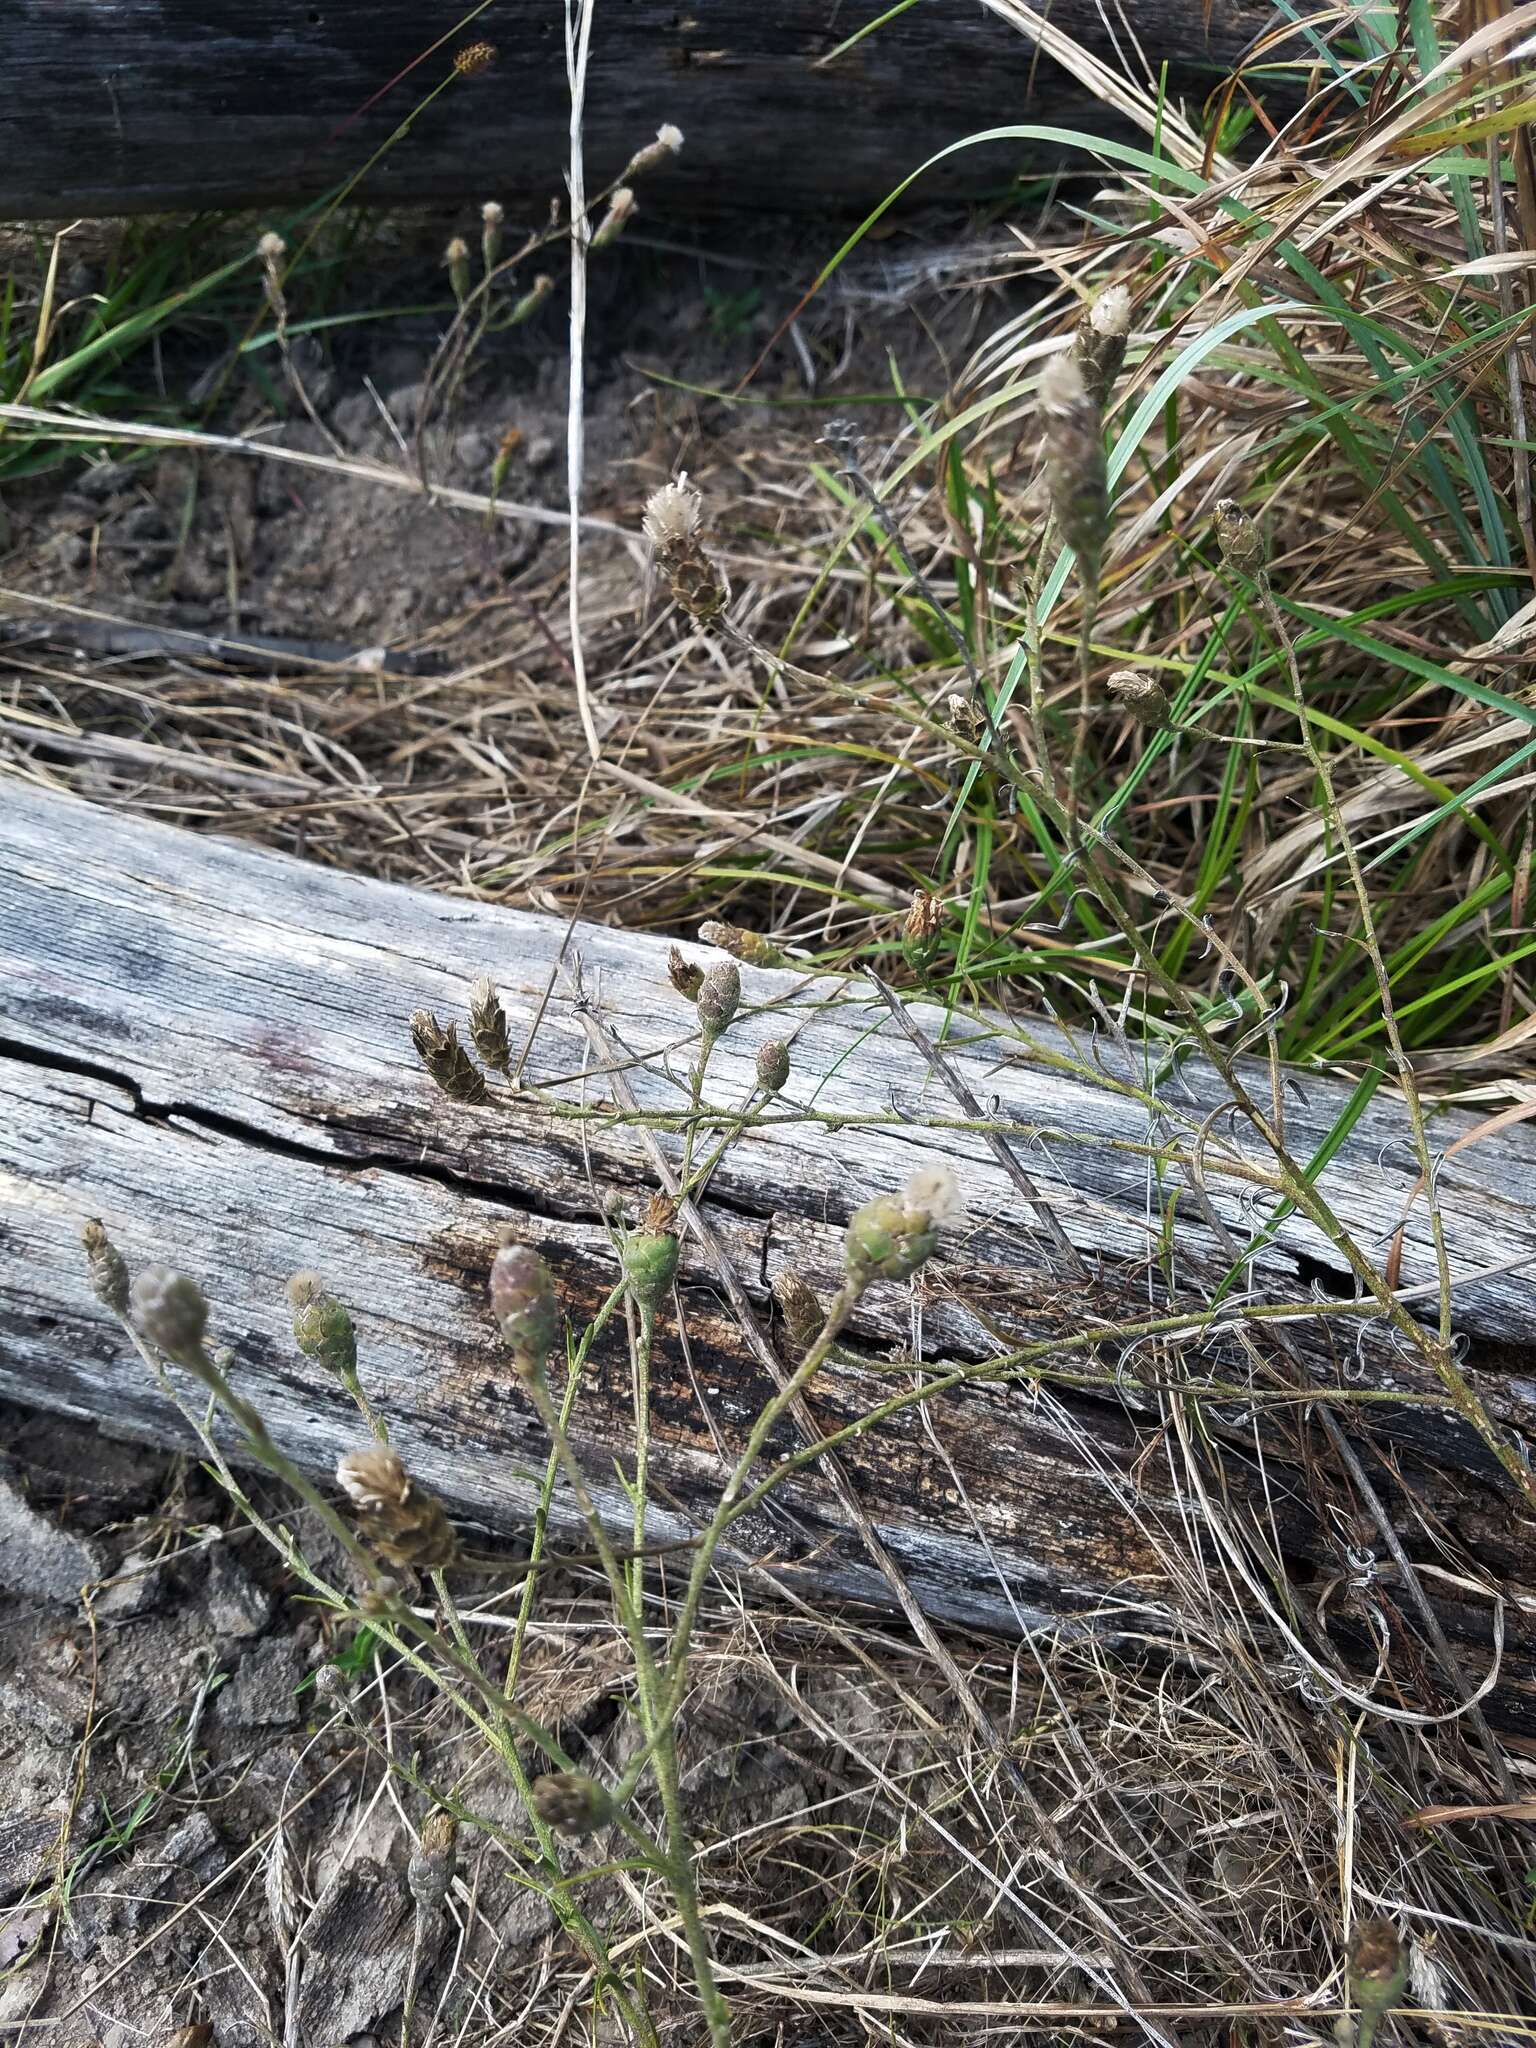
{"points": [[395, 1531]]}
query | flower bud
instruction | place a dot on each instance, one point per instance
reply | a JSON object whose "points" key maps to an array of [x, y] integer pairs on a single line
{"points": [[106, 1268], [892, 1236], [491, 218], [621, 209], [650, 1265], [170, 1311], [719, 999], [531, 300], [322, 1328], [571, 1803], [773, 1066], [524, 1305]]}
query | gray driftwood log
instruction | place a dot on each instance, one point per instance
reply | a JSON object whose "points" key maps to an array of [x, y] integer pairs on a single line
{"points": [[205, 1044], [125, 106]]}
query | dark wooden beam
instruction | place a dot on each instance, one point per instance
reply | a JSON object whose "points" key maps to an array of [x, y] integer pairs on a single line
{"points": [[127, 106]]}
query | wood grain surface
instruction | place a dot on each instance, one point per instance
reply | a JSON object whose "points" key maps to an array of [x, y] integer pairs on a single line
{"points": [[126, 106], [205, 1044]]}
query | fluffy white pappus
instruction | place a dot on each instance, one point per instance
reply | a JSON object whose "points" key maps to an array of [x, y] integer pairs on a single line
{"points": [[670, 137], [672, 513], [1061, 388], [1110, 313], [935, 1192]]}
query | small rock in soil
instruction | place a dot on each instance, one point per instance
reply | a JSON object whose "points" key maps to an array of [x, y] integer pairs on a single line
{"points": [[261, 1693], [36, 1556], [54, 1708], [136, 1587], [237, 1605]]}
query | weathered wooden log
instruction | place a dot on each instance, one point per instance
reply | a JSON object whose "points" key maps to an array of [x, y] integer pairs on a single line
{"points": [[205, 1044], [123, 106]]}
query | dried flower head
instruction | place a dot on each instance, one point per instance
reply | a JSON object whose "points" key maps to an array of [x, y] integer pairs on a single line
{"points": [[438, 1048], [532, 299], [1075, 474], [106, 1268], [684, 976], [404, 1523], [964, 717], [1100, 340], [571, 1803], [1378, 1973], [621, 210], [671, 525], [1241, 543], [488, 1026], [892, 1236], [491, 218], [921, 928], [524, 1305], [800, 1307], [1142, 696], [672, 514], [474, 58], [669, 141], [430, 1870], [322, 1328], [271, 248], [456, 258], [169, 1309], [752, 948], [773, 1066], [719, 999]]}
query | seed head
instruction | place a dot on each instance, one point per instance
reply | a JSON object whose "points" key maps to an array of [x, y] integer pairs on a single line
{"points": [[170, 1311], [621, 210], [719, 999], [672, 514], [488, 1026], [892, 1236], [1241, 543], [438, 1048], [752, 948], [322, 1328], [571, 1803], [524, 1305], [1099, 343], [106, 1268], [1075, 474], [683, 975], [474, 58], [1142, 696], [773, 1066]]}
